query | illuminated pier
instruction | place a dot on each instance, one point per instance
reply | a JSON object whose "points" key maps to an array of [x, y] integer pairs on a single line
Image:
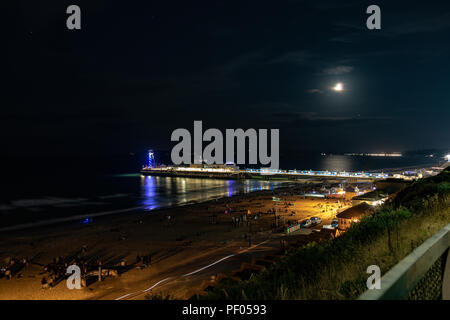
{"points": [[231, 172], [315, 173]]}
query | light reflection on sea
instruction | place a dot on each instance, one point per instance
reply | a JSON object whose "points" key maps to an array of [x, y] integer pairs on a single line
{"points": [[159, 192]]}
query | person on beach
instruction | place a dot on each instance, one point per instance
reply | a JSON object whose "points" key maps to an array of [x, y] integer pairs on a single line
{"points": [[146, 260]]}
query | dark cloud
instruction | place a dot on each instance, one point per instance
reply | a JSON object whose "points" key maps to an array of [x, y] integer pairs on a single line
{"points": [[312, 91], [338, 70], [314, 120], [435, 23], [295, 57]]}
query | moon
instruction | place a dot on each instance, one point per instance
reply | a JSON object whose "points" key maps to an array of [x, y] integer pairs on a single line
{"points": [[338, 87]]}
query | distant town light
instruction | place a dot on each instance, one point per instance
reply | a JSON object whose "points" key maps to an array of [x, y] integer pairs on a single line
{"points": [[447, 157]]}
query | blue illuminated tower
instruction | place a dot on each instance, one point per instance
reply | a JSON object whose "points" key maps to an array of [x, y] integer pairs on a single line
{"points": [[151, 159]]}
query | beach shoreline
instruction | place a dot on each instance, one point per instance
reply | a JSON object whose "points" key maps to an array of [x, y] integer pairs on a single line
{"points": [[15, 220], [179, 239]]}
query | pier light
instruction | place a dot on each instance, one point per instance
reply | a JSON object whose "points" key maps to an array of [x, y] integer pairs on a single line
{"points": [[151, 159], [447, 157]]}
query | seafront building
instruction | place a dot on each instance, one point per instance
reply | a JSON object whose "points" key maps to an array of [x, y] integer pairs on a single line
{"points": [[353, 215]]}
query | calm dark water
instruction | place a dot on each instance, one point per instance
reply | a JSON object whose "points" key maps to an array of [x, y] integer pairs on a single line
{"points": [[66, 183], [116, 192]]}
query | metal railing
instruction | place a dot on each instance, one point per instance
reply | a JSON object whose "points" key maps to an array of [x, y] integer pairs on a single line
{"points": [[404, 276]]}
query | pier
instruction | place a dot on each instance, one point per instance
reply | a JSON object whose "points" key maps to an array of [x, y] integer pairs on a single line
{"points": [[264, 173]]}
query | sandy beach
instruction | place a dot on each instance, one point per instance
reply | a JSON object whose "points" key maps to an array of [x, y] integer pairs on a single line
{"points": [[187, 245]]}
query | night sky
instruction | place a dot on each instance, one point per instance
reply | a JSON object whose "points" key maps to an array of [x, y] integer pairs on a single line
{"points": [[137, 70]]}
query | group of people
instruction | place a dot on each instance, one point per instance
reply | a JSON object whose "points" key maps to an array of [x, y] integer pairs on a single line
{"points": [[145, 259], [56, 271], [13, 266], [239, 220]]}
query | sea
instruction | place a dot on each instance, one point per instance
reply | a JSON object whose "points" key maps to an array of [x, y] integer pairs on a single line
{"points": [[37, 189]]}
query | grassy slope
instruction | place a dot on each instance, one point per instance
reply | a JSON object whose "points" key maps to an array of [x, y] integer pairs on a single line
{"points": [[337, 269]]}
